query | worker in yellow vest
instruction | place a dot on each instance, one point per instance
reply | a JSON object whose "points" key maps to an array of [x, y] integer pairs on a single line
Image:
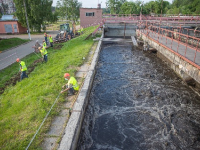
{"points": [[51, 40], [45, 37], [22, 68], [81, 30], [43, 52], [44, 44], [71, 86]]}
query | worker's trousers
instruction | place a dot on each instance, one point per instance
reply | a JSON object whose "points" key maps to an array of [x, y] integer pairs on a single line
{"points": [[23, 75], [71, 91], [46, 40], [45, 58]]}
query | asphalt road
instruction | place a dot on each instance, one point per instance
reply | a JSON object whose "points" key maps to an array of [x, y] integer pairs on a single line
{"points": [[8, 57]]}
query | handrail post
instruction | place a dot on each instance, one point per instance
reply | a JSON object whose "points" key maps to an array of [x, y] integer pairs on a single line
{"points": [[196, 51], [178, 42], [167, 35], [172, 38]]}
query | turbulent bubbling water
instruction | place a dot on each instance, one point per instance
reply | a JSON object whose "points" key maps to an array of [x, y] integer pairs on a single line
{"points": [[139, 103]]}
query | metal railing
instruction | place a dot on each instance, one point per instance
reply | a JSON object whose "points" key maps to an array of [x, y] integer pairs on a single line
{"points": [[175, 40]]}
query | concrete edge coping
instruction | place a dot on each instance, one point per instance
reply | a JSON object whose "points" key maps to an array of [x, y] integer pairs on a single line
{"points": [[15, 47], [71, 134]]}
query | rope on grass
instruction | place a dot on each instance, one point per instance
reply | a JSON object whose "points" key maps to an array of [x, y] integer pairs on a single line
{"points": [[42, 122]]}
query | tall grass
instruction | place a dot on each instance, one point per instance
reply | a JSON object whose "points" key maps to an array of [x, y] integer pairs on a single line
{"points": [[12, 42], [24, 106]]}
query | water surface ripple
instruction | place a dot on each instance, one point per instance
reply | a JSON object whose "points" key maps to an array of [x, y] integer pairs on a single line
{"points": [[139, 103]]}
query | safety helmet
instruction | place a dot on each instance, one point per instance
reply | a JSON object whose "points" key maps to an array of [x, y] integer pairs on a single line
{"points": [[17, 60], [66, 75]]}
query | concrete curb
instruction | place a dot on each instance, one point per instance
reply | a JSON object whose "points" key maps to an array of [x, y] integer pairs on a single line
{"points": [[71, 134], [15, 47]]}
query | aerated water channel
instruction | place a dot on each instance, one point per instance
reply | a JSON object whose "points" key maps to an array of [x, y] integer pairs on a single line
{"points": [[138, 103]]}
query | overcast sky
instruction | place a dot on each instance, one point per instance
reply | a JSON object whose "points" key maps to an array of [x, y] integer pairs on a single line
{"points": [[93, 3]]}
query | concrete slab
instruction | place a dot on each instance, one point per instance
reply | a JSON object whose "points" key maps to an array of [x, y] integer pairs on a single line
{"points": [[57, 124], [83, 70], [49, 143]]}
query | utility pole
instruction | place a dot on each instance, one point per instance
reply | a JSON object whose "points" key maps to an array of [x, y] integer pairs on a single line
{"points": [[27, 21]]}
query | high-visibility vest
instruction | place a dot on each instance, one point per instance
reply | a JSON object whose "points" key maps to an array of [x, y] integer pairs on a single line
{"points": [[43, 51], [44, 44], [23, 66], [74, 83], [51, 39], [45, 35]]}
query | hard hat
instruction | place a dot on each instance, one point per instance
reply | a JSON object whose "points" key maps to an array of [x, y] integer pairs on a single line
{"points": [[17, 59], [66, 75]]}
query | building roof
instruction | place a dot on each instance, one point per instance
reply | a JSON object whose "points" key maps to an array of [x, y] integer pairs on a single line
{"points": [[91, 8], [8, 17]]}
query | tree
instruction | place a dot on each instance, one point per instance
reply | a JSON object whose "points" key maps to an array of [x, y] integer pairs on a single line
{"points": [[157, 6], [60, 9], [38, 12], [114, 5], [185, 7], [128, 8], [72, 9], [150, 6], [106, 11], [68, 9], [3, 8]]}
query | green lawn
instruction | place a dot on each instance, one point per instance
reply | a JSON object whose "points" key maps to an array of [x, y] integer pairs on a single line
{"points": [[12, 42], [24, 106]]}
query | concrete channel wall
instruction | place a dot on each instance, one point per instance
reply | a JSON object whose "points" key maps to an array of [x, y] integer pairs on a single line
{"points": [[71, 134], [120, 29], [184, 69]]}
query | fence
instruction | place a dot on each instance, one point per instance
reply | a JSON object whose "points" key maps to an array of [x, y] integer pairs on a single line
{"points": [[176, 39]]}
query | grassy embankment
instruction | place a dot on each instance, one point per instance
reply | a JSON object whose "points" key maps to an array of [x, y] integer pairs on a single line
{"points": [[12, 42], [24, 106]]}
